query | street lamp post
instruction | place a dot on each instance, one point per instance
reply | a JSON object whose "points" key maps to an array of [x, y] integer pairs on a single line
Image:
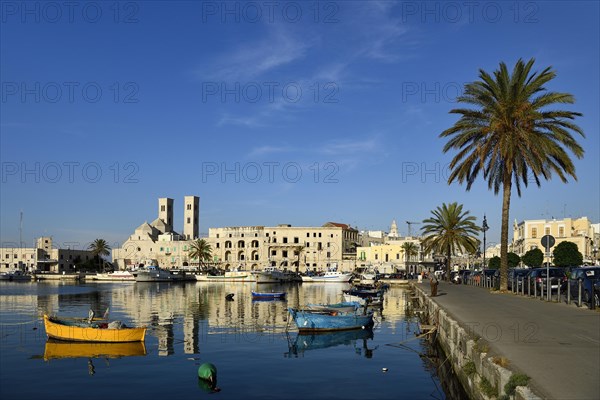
{"points": [[484, 228]]}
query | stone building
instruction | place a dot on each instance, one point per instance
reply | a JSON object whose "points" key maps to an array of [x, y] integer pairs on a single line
{"points": [[527, 235], [285, 246]]}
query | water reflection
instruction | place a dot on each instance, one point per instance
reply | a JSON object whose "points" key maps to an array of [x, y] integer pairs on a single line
{"points": [[183, 316], [56, 349], [357, 338]]}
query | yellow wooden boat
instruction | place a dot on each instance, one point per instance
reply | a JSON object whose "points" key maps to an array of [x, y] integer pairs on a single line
{"points": [[83, 331], [56, 349]]}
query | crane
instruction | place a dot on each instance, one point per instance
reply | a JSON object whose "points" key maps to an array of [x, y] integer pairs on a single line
{"points": [[409, 223]]}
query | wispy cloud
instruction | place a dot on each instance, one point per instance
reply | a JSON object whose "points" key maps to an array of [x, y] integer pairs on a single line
{"points": [[252, 60]]}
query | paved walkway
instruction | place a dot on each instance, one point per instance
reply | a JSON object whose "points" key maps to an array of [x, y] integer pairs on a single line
{"points": [[557, 345]]}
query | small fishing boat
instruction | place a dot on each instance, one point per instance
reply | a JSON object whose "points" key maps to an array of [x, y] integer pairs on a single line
{"points": [[91, 330], [57, 349], [268, 295], [330, 320], [332, 275]]}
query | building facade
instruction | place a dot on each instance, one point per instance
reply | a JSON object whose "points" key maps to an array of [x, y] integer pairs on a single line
{"points": [[42, 258], [157, 242], [391, 257], [285, 247], [528, 233]]}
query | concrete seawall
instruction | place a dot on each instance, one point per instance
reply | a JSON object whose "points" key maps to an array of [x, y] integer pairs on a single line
{"points": [[479, 372]]}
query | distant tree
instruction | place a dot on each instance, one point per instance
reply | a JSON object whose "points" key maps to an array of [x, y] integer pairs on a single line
{"points": [[200, 250], [513, 259], [533, 258], [566, 254], [99, 248], [494, 262], [448, 231], [410, 250]]}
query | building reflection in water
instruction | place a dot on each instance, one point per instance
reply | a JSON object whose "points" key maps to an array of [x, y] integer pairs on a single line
{"points": [[190, 313]]}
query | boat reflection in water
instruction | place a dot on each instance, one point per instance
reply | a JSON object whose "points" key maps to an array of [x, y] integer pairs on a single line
{"points": [[316, 340], [56, 349]]}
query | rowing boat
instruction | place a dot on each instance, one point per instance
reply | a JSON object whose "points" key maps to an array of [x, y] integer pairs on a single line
{"points": [[95, 331]]}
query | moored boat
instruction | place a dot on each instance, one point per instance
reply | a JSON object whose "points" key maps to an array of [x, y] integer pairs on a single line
{"points": [[228, 276], [311, 320], [81, 330], [269, 275], [268, 295], [16, 275], [152, 273], [331, 275], [114, 276]]}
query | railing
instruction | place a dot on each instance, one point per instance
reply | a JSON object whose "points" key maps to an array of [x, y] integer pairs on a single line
{"points": [[523, 286]]}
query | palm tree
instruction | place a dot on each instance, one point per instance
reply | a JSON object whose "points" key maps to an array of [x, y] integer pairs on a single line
{"points": [[449, 231], [200, 250], [99, 248], [512, 137], [410, 249]]}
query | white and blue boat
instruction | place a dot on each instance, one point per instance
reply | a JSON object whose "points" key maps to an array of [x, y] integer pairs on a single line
{"points": [[323, 320]]}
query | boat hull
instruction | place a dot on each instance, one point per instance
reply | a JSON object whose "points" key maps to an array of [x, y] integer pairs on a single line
{"points": [[310, 321], [338, 278], [72, 332], [268, 296], [112, 277], [266, 277], [228, 277]]}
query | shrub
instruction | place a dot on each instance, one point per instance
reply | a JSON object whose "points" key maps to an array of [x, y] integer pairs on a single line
{"points": [[487, 388], [514, 381], [469, 368]]}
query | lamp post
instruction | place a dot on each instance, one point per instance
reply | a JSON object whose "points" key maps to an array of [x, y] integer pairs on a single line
{"points": [[484, 228]]}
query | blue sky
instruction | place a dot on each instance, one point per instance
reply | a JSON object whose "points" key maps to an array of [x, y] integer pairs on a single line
{"points": [[289, 112]]}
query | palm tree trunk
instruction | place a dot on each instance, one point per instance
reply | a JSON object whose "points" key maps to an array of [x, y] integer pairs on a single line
{"points": [[448, 263], [504, 234]]}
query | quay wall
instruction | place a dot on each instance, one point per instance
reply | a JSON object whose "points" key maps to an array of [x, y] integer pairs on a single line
{"points": [[463, 350]]}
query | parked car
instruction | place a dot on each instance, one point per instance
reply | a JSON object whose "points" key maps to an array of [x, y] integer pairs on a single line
{"points": [[536, 279], [464, 275], [518, 274], [588, 276]]}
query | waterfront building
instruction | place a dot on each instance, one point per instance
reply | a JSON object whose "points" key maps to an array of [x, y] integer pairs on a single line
{"points": [[390, 257], [285, 247], [44, 257], [157, 242], [527, 235]]}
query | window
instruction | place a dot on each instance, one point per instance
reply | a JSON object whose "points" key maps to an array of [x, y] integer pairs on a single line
{"points": [[284, 240], [274, 240], [284, 253], [377, 256], [307, 234], [533, 233], [561, 231], [162, 249], [189, 220], [328, 254], [296, 240], [273, 253], [189, 206], [162, 208], [319, 234], [547, 230]]}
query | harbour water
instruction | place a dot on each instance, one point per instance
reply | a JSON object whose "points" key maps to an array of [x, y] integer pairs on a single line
{"points": [[255, 346]]}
